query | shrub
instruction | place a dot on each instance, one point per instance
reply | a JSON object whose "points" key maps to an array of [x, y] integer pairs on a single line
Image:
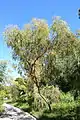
{"points": [[66, 97], [2, 95], [63, 111]]}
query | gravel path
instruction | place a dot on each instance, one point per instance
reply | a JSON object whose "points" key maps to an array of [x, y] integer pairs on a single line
{"points": [[13, 113]]}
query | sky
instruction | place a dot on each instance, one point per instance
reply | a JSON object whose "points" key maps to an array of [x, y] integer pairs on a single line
{"points": [[20, 12]]}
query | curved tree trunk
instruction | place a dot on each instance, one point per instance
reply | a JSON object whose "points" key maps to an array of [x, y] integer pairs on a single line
{"points": [[34, 78], [49, 106]]}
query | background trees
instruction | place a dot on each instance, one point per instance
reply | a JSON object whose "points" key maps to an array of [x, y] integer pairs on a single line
{"points": [[63, 61], [3, 66]]}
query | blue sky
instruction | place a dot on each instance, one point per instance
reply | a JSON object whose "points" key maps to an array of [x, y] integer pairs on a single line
{"points": [[21, 12]]}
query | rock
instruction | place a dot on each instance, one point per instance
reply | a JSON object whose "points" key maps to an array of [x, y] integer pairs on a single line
{"points": [[11, 108], [13, 113], [5, 119]]}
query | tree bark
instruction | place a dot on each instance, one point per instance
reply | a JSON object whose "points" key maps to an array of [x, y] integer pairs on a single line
{"points": [[49, 106]]}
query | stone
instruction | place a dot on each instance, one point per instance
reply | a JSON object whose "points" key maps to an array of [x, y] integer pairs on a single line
{"points": [[14, 113]]}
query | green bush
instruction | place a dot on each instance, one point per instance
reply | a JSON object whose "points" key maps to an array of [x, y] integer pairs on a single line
{"points": [[2, 94], [63, 111], [1, 107], [66, 97]]}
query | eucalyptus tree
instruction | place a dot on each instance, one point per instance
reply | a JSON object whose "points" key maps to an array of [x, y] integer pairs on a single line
{"points": [[29, 45], [46, 55]]}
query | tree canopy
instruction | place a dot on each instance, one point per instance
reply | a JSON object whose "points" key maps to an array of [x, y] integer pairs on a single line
{"points": [[47, 55]]}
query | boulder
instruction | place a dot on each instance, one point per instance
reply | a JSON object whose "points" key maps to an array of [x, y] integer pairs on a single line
{"points": [[14, 113]]}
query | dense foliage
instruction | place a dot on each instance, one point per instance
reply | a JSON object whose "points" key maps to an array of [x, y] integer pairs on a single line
{"points": [[48, 60]]}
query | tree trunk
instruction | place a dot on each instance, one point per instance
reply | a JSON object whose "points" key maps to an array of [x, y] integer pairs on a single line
{"points": [[49, 106], [34, 78]]}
